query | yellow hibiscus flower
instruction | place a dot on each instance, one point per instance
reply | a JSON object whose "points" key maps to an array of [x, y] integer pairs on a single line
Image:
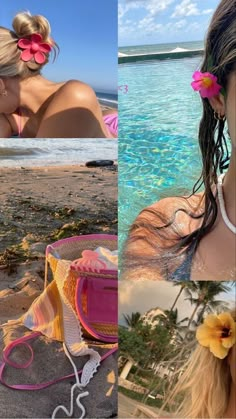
{"points": [[218, 333]]}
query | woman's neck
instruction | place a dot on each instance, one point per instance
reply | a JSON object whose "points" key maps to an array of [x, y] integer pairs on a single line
{"points": [[34, 91], [229, 189], [231, 409]]}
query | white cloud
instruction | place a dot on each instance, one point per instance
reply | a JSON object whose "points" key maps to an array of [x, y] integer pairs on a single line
{"points": [[153, 7], [144, 295], [148, 20], [186, 8], [148, 24], [207, 11], [124, 8], [180, 24], [156, 6]]}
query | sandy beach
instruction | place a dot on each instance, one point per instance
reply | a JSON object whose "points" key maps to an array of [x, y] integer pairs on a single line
{"points": [[38, 207]]}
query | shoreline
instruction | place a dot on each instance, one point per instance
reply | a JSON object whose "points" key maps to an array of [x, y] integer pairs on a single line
{"points": [[46, 168]]}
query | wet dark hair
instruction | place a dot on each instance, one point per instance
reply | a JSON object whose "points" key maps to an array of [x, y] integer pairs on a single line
{"points": [[220, 60]]}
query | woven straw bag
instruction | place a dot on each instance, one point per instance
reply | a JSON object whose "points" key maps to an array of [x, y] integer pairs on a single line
{"points": [[92, 295]]}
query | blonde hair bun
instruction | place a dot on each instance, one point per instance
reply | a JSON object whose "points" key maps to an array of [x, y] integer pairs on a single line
{"points": [[24, 25]]}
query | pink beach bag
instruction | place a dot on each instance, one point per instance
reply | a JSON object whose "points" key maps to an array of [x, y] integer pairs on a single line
{"points": [[91, 289], [93, 295]]}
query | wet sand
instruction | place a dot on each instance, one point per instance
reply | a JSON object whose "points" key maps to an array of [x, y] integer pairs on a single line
{"points": [[38, 207]]}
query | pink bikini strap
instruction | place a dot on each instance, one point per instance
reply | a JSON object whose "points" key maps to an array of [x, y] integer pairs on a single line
{"points": [[23, 341]]}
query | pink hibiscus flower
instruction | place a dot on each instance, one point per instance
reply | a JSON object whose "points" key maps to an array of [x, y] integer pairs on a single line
{"points": [[206, 84]]}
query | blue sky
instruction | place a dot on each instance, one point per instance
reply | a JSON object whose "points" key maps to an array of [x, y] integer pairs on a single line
{"points": [[86, 32], [144, 22]]}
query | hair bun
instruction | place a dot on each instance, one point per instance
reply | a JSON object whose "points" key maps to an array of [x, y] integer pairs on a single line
{"points": [[24, 25]]}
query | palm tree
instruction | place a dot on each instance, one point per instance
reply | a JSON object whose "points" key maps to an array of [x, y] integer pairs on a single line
{"points": [[133, 320], [206, 291], [170, 321], [183, 285], [210, 307]]}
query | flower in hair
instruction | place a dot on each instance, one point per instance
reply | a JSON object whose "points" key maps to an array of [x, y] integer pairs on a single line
{"points": [[206, 84], [34, 48], [218, 333]]}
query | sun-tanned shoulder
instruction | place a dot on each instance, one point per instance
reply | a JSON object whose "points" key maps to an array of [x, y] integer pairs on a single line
{"points": [[171, 213], [74, 111], [75, 92], [167, 209]]}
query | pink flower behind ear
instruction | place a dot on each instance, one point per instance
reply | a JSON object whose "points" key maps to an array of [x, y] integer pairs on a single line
{"points": [[206, 84], [34, 48]]}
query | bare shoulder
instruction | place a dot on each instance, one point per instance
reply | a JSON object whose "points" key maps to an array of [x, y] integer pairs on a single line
{"points": [[172, 209], [157, 228], [170, 216], [73, 112], [77, 93]]}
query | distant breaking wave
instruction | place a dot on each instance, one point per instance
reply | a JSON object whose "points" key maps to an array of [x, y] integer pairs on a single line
{"points": [[15, 152], [108, 99]]}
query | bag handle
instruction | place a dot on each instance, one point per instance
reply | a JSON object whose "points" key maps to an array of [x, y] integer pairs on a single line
{"points": [[23, 341]]}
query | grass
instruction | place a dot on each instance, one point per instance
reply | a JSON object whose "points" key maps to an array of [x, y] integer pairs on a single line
{"points": [[139, 397]]}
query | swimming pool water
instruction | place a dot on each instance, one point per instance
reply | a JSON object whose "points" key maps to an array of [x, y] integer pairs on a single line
{"points": [[158, 147]]}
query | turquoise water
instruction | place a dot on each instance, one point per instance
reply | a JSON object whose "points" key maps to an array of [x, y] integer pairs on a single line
{"points": [[158, 147]]}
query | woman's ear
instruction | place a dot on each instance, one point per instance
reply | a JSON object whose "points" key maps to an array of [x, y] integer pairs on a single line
{"points": [[218, 104]]}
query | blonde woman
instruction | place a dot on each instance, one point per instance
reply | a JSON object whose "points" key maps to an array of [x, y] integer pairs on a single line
{"points": [[207, 388], [34, 107]]}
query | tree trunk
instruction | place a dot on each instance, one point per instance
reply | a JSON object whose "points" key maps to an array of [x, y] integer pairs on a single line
{"points": [[125, 372], [181, 289], [193, 314], [202, 313]]}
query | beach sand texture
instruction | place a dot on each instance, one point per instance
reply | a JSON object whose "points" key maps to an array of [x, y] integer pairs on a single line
{"points": [[38, 207]]}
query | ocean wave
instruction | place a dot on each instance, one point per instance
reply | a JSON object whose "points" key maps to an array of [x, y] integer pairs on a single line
{"points": [[12, 152], [55, 151], [108, 102]]}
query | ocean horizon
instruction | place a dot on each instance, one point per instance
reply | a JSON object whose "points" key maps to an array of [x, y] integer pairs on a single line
{"points": [[164, 47]]}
